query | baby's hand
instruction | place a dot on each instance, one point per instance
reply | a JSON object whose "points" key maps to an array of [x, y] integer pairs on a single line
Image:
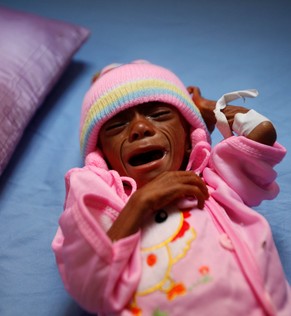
{"points": [[253, 125], [160, 192], [205, 107], [170, 186], [264, 132]]}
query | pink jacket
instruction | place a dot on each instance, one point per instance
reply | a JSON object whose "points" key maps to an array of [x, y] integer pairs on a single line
{"points": [[218, 261]]}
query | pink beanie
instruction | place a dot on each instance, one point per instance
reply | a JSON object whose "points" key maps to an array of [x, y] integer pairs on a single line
{"points": [[119, 87]]}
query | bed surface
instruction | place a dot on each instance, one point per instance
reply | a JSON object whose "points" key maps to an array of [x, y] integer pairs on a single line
{"points": [[218, 46]]}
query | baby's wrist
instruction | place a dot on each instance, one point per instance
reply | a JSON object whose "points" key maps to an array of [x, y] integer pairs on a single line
{"points": [[244, 123]]}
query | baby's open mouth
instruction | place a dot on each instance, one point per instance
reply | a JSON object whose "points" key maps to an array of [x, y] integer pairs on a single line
{"points": [[146, 157]]}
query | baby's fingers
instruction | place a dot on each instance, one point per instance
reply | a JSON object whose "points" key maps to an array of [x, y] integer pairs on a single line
{"points": [[196, 192], [199, 185]]}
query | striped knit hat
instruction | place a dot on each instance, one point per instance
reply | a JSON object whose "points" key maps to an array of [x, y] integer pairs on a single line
{"points": [[119, 87]]}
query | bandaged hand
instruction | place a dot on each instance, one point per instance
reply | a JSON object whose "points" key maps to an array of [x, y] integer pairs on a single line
{"points": [[242, 121], [230, 119]]}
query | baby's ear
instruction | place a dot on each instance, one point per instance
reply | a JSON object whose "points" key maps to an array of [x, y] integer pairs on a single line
{"points": [[205, 107]]}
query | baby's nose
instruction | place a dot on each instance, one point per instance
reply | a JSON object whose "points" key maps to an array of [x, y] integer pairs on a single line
{"points": [[140, 127]]}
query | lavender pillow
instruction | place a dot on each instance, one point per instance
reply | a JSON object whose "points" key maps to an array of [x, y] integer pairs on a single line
{"points": [[34, 52]]}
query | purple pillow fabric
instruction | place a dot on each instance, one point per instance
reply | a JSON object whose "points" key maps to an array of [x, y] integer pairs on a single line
{"points": [[34, 52]]}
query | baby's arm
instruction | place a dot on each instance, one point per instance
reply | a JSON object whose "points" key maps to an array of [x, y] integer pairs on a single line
{"points": [[160, 192], [264, 132]]}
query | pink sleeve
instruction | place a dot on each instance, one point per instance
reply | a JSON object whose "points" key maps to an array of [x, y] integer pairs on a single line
{"points": [[102, 276], [248, 168]]}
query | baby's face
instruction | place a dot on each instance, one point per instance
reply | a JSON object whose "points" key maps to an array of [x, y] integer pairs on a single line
{"points": [[144, 141]]}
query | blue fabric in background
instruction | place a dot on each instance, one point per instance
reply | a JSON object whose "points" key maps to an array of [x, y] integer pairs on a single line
{"points": [[219, 46]]}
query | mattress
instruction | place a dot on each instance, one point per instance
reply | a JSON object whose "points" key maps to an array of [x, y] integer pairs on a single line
{"points": [[218, 46]]}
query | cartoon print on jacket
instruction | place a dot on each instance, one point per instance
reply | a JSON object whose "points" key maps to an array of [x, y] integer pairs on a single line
{"points": [[164, 242]]}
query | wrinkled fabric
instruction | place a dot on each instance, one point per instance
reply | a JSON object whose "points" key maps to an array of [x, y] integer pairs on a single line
{"points": [[184, 261], [35, 52]]}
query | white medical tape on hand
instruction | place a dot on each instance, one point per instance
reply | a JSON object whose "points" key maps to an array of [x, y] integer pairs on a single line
{"points": [[244, 123], [222, 123]]}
